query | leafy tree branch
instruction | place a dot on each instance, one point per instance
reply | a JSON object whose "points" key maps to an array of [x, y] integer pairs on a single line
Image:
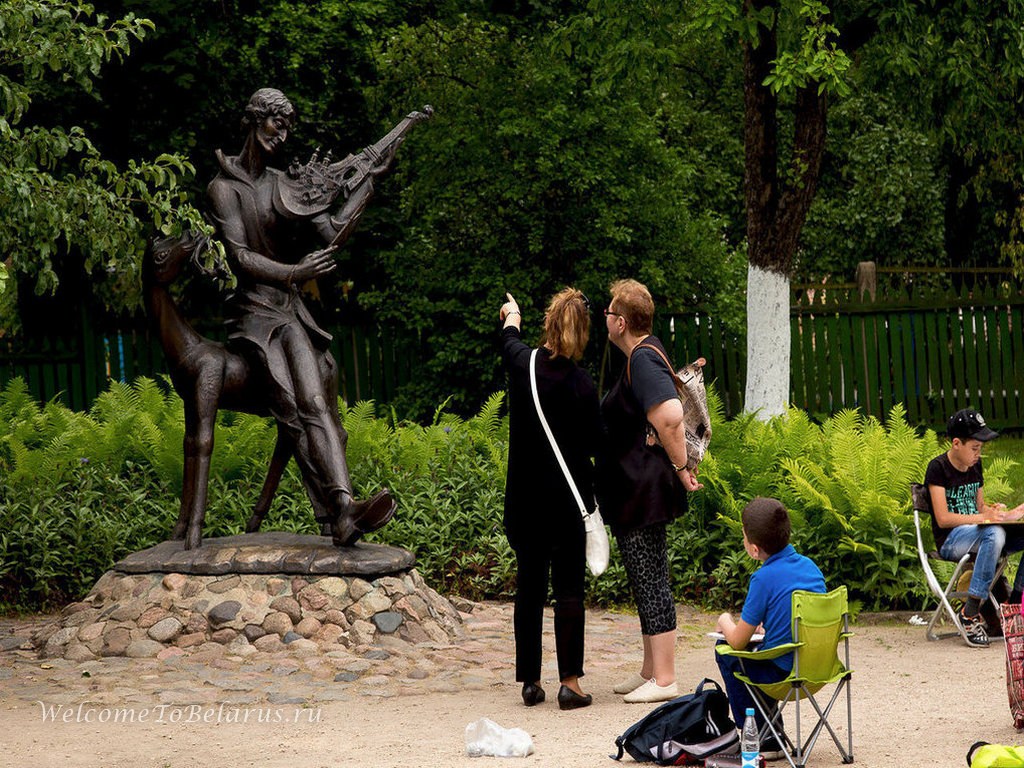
{"points": [[63, 203]]}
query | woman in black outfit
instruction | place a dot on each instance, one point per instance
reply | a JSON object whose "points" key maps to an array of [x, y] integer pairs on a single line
{"points": [[542, 520], [644, 480]]}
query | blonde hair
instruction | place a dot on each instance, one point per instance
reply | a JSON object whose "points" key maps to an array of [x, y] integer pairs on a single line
{"points": [[567, 324], [633, 301]]}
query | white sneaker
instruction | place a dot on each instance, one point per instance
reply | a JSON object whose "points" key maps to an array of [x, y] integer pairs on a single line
{"points": [[651, 692], [628, 686]]}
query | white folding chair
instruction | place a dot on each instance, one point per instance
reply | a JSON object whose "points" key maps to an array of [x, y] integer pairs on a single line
{"points": [[944, 613]]}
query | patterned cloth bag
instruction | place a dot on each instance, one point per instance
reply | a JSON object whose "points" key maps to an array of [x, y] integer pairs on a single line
{"points": [[1013, 632]]}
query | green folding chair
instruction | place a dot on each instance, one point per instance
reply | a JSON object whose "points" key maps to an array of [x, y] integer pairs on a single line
{"points": [[820, 624]]}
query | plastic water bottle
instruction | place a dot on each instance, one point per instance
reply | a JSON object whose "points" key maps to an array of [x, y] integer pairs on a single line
{"points": [[727, 761], [750, 744]]}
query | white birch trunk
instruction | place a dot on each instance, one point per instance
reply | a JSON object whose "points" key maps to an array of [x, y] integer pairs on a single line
{"points": [[768, 343]]}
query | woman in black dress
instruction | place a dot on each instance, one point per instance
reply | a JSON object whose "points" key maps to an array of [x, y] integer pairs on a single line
{"points": [[542, 519]]}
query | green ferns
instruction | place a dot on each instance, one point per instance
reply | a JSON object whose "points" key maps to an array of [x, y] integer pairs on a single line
{"points": [[79, 491], [851, 490], [846, 485], [449, 481]]}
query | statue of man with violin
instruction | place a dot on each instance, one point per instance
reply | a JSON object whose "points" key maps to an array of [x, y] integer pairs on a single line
{"points": [[259, 213]]}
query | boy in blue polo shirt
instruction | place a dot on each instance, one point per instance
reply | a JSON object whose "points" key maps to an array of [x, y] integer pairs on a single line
{"points": [[768, 606]]}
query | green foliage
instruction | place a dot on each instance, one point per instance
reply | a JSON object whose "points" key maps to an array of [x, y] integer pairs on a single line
{"points": [[809, 52], [956, 69], [853, 501], [450, 497], [894, 217], [532, 176], [58, 194], [573, 143], [58, 536], [730, 579], [815, 60], [845, 483], [1007, 448], [189, 84], [79, 491]]}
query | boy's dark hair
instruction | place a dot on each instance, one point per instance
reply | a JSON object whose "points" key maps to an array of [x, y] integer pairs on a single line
{"points": [[766, 523]]}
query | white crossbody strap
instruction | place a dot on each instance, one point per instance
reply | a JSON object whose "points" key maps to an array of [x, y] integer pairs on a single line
{"points": [[551, 437]]}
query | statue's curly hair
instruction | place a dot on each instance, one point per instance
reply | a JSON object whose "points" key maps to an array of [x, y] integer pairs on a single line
{"points": [[264, 103]]}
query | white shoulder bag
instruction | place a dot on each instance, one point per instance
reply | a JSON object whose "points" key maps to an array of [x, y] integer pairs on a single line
{"points": [[597, 536]]}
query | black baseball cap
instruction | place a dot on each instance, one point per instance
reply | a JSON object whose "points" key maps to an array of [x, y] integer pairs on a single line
{"points": [[968, 424]]}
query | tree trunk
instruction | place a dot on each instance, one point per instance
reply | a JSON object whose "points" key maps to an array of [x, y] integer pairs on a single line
{"points": [[776, 207], [768, 342], [761, 146]]}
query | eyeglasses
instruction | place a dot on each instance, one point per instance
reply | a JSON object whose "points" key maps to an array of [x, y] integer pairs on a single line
{"points": [[607, 312]]}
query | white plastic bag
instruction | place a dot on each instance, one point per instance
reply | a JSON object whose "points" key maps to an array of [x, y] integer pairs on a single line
{"points": [[486, 738]]}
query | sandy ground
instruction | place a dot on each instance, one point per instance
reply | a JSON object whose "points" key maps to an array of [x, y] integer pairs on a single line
{"points": [[915, 703]]}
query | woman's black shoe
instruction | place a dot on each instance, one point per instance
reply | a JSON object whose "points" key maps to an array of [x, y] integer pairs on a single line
{"points": [[533, 694], [569, 699]]}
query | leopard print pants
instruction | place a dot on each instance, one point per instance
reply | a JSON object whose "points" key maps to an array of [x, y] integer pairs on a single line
{"points": [[645, 556]]}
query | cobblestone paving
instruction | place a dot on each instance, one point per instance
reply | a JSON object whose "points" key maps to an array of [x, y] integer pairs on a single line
{"points": [[483, 660]]}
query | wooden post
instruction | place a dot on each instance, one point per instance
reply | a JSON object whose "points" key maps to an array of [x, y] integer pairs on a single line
{"points": [[867, 279]]}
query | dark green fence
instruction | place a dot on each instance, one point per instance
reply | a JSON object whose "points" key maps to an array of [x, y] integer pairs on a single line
{"points": [[75, 367], [54, 366], [933, 349], [698, 334]]}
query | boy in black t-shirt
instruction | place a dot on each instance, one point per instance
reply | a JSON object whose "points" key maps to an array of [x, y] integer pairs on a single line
{"points": [[961, 520]]}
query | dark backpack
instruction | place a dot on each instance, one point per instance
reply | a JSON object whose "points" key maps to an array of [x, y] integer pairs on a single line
{"points": [[684, 730]]}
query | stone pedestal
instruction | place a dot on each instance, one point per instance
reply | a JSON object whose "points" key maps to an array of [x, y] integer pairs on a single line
{"points": [[254, 593]]}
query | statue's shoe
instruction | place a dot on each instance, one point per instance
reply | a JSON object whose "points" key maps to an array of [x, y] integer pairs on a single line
{"points": [[361, 517], [374, 513]]}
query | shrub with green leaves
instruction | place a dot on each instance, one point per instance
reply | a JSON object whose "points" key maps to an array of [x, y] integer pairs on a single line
{"points": [[852, 498], [80, 491], [846, 485], [449, 481]]}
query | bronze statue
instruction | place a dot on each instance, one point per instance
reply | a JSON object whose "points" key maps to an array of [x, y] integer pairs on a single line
{"points": [[276, 360]]}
